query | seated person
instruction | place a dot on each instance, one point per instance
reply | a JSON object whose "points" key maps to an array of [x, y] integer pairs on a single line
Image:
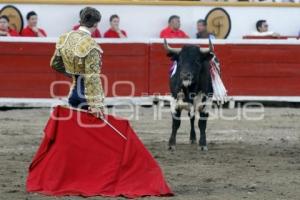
{"points": [[95, 34], [32, 30], [202, 30], [115, 31], [262, 28], [173, 29], [4, 27]]}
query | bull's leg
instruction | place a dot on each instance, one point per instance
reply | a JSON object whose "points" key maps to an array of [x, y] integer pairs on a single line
{"points": [[192, 133], [175, 126], [202, 126]]}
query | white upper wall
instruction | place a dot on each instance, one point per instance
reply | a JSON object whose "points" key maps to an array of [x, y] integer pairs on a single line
{"points": [[146, 21]]}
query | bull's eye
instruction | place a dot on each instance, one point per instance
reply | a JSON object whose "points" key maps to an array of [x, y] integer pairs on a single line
{"points": [[198, 62], [192, 95]]}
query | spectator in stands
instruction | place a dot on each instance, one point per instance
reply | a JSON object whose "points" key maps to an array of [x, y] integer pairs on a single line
{"points": [[262, 28], [32, 30], [4, 27], [95, 34], [202, 30], [115, 31], [173, 29]]}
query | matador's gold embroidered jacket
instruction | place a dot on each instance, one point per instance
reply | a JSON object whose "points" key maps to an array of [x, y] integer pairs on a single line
{"points": [[77, 53]]}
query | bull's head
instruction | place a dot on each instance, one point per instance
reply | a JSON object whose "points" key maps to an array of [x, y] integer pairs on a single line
{"points": [[190, 61]]}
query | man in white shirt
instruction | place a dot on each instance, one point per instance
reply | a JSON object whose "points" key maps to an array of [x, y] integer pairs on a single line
{"points": [[262, 28]]}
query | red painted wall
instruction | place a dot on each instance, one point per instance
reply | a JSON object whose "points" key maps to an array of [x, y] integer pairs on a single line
{"points": [[260, 70], [263, 70]]}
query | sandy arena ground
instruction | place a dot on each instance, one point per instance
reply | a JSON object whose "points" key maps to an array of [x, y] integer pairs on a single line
{"points": [[256, 159]]}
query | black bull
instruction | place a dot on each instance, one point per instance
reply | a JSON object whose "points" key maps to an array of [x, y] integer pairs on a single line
{"points": [[191, 88]]}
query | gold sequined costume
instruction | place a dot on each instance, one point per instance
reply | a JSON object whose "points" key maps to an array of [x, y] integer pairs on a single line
{"points": [[77, 54]]}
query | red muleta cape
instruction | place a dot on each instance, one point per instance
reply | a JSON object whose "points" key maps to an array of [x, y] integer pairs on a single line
{"points": [[74, 159]]}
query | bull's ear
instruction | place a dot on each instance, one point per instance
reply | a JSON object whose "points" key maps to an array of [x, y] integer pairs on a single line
{"points": [[208, 56], [173, 56]]}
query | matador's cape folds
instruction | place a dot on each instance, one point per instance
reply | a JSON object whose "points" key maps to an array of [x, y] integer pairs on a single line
{"points": [[91, 161]]}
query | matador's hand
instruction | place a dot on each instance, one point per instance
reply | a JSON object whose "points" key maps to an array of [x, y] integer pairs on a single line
{"points": [[97, 112]]}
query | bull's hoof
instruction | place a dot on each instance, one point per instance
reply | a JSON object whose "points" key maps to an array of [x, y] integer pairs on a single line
{"points": [[193, 141], [203, 148], [172, 148]]}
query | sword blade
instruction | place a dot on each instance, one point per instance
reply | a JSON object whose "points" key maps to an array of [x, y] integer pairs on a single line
{"points": [[114, 128]]}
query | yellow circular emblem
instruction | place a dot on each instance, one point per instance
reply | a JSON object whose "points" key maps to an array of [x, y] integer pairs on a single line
{"points": [[15, 17], [218, 23]]}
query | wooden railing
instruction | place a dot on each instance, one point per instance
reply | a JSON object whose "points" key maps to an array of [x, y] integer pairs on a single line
{"points": [[249, 68]]}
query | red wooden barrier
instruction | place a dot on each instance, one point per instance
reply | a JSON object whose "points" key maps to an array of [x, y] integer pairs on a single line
{"points": [[247, 69], [263, 70], [25, 71]]}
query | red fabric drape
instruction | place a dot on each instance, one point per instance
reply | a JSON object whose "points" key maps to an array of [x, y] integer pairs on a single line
{"points": [[77, 159]]}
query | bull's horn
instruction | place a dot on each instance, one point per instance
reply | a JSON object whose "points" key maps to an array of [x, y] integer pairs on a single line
{"points": [[170, 49], [211, 46], [207, 50], [204, 50]]}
